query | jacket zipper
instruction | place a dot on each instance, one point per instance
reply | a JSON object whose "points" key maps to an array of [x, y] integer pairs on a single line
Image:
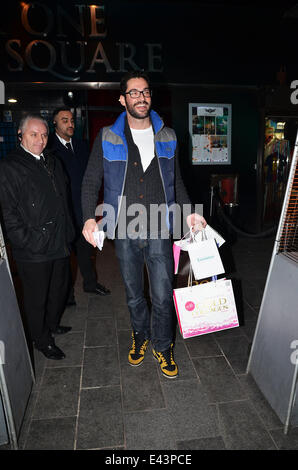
{"points": [[163, 185], [122, 190], [161, 177], [51, 175]]}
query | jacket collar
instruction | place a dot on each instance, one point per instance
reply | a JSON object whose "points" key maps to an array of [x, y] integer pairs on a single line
{"points": [[63, 141], [55, 143], [119, 125], [28, 159]]}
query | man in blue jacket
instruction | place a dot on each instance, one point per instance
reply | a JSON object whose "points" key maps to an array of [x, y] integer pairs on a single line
{"points": [[73, 154], [137, 158]]}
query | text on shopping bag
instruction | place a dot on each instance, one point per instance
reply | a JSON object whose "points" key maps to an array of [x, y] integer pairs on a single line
{"points": [[205, 308]]}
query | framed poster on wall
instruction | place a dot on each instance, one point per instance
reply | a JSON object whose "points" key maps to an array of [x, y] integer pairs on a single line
{"points": [[210, 127]]}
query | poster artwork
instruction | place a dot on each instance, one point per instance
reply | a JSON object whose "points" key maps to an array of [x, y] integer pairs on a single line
{"points": [[210, 129]]}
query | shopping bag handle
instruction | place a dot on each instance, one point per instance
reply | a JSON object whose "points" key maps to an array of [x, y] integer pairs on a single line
{"points": [[193, 234], [204, 234], [190, 280]]}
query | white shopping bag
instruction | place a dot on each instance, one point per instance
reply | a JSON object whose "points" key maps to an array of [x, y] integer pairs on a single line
{"points": [[211, 263], [205, 259], [205, 308]]}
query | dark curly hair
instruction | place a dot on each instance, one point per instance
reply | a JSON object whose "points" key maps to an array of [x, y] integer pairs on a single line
{"points": [[129, 76]]}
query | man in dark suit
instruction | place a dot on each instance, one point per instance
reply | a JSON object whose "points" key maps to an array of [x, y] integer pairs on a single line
{"points": [[36, 214], [73, 153]]}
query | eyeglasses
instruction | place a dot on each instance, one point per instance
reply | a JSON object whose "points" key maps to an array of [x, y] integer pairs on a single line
{"points": [[137, 93]]}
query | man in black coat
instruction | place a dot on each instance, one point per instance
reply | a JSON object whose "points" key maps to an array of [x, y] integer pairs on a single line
{"points": [[36, 214], [73, 153]]}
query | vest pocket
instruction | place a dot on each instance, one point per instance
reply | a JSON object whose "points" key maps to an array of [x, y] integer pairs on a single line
{"points": [[112, 153], [166, 149]]}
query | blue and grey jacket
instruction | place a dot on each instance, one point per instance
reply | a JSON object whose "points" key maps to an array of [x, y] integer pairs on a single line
{"points": [[115, 158]]}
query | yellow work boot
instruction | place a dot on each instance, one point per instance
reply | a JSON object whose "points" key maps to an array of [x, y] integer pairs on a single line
{"points": [[137, 351], [166, 361]]}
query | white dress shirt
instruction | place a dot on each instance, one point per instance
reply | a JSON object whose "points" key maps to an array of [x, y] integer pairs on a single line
{"points": [[35, 156], [64, 142]]}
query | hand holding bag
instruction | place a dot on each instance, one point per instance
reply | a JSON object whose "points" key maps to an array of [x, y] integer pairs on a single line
{"points": [[205, 308]]}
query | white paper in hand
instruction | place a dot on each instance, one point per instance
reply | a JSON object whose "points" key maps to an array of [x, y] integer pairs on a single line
{"points": [[99, 237]]}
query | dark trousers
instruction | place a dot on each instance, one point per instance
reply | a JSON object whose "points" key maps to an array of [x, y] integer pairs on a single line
{"points": [[83, 251], [158, 256], [45, 288]]}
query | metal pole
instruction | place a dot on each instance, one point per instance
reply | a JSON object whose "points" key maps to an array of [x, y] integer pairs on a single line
{"points": [[276, 244], [8, 411], [211, 202], [3, 254], [292, 399]]}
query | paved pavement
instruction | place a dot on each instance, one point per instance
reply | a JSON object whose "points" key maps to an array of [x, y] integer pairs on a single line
{"points": [[94, 399]]}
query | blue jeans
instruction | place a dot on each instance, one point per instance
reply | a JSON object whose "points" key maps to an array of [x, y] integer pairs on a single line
{"points": [[158, 257]]}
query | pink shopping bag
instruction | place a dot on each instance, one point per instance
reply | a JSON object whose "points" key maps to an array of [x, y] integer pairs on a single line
{"points": [[205, 308], [176, 254]]}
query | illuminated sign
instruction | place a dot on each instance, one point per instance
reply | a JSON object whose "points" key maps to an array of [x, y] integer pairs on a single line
{"points": [[72, 44]]}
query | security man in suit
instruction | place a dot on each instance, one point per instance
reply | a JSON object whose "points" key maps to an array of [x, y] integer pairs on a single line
{"points": [[73, 153], [35, 208]]}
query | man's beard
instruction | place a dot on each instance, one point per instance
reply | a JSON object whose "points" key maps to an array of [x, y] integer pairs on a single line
{"points": [[134, 113]]}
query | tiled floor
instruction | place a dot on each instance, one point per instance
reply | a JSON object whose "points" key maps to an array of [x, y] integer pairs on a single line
{"points": [[95, 400]]}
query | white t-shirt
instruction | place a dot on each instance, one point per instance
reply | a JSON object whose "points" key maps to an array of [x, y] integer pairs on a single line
{"points": [[144, 139]]}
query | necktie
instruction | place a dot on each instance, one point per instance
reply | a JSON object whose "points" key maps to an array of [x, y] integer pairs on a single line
{"points": [[68, 146], [43, 160]]}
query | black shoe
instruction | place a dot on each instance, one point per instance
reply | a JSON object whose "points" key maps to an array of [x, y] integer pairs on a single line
{"points": [[71, 303], [61, 330], [51, 351], [99, 290]]}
